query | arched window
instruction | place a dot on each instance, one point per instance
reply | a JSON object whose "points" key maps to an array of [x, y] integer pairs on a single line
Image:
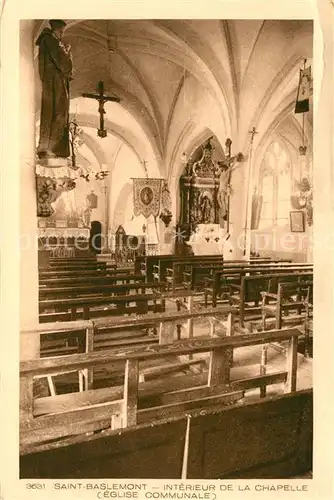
{"points": [[275, 187]]}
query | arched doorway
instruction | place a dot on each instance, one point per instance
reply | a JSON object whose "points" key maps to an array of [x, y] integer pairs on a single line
{"points": [[95, 238]]}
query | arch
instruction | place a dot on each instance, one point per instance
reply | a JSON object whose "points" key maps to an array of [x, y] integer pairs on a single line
{"points": [[271, 130], [217, 77], [95, 148], [136, 109], [189, 147], [119, 207], [126, 135], [272, 91]]}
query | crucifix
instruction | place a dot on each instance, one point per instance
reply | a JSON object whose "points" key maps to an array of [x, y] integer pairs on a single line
{"points": [[102, 99], [224, 191]]}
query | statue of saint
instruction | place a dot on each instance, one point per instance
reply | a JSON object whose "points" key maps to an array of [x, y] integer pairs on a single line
{"points": [[206, 210], [55, 70]]}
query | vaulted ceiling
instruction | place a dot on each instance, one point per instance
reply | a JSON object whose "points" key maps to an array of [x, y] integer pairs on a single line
{"points": [[181, 81]]}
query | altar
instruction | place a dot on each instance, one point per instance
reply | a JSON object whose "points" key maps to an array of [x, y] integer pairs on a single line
{"points": [[211, 239]]}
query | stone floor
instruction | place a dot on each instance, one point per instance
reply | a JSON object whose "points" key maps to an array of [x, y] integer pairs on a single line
{"points": [[246, 362]]}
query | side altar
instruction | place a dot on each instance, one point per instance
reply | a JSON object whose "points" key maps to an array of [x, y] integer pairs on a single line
{"points": [[203, 226]]}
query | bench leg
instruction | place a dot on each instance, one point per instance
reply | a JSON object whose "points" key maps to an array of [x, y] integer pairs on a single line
{"points": [[263, 369]]}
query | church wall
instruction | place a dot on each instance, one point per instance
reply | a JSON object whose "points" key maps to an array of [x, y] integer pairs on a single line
{"points": [[28, 209], [281, 243]]}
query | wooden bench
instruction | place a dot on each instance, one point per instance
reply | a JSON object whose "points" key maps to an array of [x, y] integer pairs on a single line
{"points": [[166, 267], [290, 297], [63, 338], [269, 439], [146, 264], [96, 290], [80, 267], [247, 295], [155, 266], [91, 278], [140, 264], [175, 275], [125, 407], [199, 447], [197, 274], [220, 280], [295, 298], [86, 307], [75, 272]]}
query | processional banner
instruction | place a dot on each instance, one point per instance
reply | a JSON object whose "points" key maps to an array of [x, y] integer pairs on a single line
{"points": [[146, 196]]}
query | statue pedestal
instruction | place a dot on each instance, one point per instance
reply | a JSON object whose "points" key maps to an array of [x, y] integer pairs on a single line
{"points": [[56, 168], [211, 239]]}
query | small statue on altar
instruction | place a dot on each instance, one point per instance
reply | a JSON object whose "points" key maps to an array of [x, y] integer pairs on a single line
{"points": [[206, 210], [55, 71]]}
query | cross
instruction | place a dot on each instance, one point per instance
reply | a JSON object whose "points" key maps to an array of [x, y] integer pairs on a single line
{"points": [[252, 133], [144, 163], [102, 99]]}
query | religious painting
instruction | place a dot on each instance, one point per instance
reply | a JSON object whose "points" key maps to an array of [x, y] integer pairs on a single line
{"points": [[297, 221]]}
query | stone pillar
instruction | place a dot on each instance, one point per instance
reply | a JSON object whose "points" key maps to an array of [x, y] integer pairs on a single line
{"points": [[238, 212], [28, 213]]}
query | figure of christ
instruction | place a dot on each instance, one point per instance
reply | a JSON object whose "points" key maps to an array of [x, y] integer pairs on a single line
{"points": [[55, 71], [224, 190]]}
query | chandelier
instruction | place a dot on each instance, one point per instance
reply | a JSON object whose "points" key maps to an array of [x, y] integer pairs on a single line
{"points": [[76, 141]]}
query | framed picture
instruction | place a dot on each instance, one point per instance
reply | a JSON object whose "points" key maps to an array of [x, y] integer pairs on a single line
{"points": [[297, 221]]}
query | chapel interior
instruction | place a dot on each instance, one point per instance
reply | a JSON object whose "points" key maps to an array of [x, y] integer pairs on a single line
{"points": [[168, 328]]}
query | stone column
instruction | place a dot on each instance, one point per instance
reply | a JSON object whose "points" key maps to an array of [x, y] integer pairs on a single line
{"points": [[28, 213]]}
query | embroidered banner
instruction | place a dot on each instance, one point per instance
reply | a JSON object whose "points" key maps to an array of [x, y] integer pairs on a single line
{"points": [[304, 91], [146, 196]]}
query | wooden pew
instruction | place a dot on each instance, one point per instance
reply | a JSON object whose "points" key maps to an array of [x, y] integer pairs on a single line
{"points": [[87, 307], [131, 454], [156, 265], [165, 266], [270, 439], [92, 289], [196, 448], [91, 278], [140, 264], [63, 338], [124, 406], [72, 273], [290, 297], [72, 261], [175, 275], [200, 273], [308, 325], [222, 278], [247, 295], [81, 267]]}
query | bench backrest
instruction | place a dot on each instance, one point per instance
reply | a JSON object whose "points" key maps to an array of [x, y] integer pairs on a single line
{"points": [[253, 285], [78, 419], [88, 279], [205, 454]]}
